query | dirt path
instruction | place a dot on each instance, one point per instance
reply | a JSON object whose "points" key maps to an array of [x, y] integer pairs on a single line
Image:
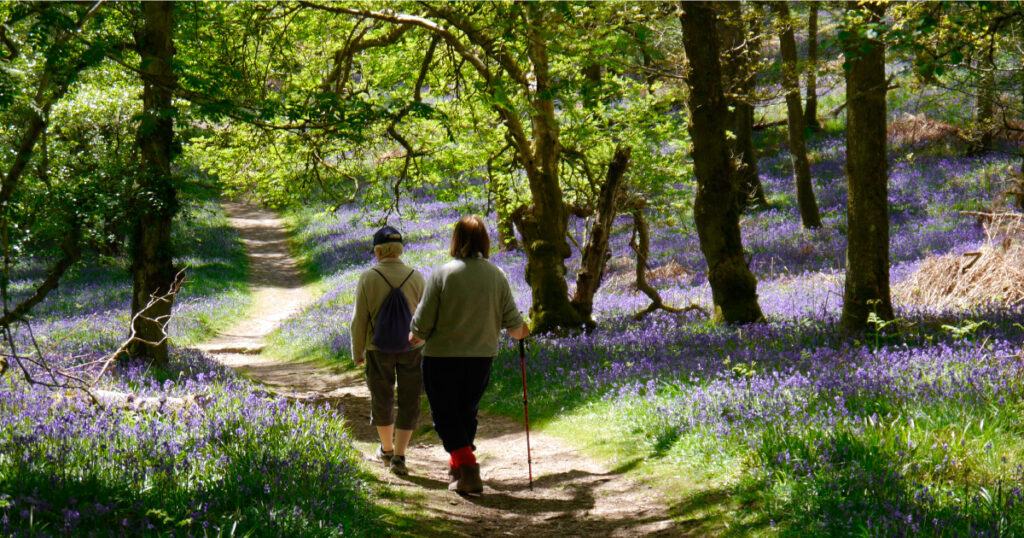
{"points": [[572, 495]]}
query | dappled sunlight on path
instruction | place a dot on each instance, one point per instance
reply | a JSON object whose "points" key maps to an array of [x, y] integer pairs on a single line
{"points": [[572, 495]]}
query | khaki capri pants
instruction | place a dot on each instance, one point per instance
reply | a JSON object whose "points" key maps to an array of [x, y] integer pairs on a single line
{"points": [[382, 371]]}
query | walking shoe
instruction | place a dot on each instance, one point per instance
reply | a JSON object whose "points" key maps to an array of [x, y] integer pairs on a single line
{"points": [[385, 456], [398, 465], [466, 480]]}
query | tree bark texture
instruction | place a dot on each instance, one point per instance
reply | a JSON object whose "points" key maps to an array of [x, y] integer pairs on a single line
{"points": [[797, 144], [156, 203], [595, 252], [867, 251], [739, 82], [716, 211], [811, 105]]}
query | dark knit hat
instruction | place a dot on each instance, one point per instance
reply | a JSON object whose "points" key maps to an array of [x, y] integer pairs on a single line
{"points": [[387, 234]]}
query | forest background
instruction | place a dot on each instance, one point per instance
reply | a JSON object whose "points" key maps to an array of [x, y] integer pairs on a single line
{"points": [[776, 245]]}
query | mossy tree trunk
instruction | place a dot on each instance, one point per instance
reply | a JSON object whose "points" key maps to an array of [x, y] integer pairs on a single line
{"points": [[716, 210], [156, 198], [544, 226], [797, 143], [867, 251]]}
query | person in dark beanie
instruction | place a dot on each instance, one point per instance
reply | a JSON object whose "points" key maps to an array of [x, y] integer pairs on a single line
{"points": [[465, 305], [388, 363]]}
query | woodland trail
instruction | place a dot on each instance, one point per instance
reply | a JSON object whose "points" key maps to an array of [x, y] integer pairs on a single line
{"points": [[572, 495]]}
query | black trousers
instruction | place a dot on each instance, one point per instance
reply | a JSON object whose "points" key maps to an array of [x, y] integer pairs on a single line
{"points": [[454, 386]]}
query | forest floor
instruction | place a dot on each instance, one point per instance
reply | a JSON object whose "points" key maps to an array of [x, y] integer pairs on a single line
{"points": [[572, 495]]}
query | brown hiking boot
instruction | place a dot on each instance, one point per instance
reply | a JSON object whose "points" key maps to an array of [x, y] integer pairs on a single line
{"points": [[466, 480]]}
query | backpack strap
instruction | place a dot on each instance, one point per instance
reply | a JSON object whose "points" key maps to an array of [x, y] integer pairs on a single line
{"points": [[407, 277], [385, 278]]}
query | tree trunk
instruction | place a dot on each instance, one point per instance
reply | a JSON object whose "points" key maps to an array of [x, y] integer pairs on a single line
{"points": [[811, 106], [984, 115], [797, 144], [716, 211], [867, 251], [156, 203], [545, 224], [595, 252], [739, 80], [1019, 196]]}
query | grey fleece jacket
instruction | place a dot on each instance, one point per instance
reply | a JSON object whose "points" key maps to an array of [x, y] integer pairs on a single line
{"points": [[465, 305]]}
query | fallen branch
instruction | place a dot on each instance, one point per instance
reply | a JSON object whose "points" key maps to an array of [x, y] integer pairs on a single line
{"points": [[122, 400], [764, 125], [65, 379]]}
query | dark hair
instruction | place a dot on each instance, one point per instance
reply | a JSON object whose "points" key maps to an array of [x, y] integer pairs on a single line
{"points": [[470, 238]]}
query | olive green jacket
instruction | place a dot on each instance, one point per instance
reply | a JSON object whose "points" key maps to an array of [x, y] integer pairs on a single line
{"points": [[370, 294]]}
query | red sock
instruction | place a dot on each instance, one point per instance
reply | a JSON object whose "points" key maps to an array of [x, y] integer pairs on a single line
{"points": [[462, 456]]}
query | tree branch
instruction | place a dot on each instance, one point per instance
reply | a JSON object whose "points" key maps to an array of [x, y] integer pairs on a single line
{"points": [[72, 252]]}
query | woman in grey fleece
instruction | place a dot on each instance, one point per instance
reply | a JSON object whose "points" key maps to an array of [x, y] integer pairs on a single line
{"points": [[465, 305]]}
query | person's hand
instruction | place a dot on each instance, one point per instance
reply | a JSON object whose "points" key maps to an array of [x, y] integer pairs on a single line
{"points": [[521, 332], [359, 359], [413, 341]]}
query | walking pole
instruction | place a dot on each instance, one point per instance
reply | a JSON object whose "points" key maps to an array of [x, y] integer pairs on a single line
{"points": [[526, 409]]}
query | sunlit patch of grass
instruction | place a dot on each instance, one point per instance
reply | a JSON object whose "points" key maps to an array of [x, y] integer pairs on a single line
{"points": [[698, 475]]}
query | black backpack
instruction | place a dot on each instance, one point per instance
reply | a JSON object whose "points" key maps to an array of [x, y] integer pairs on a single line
{"points": [[391, 326]]}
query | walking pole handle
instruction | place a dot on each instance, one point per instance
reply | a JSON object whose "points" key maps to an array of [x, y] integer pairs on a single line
{"points": [[526, 409]]}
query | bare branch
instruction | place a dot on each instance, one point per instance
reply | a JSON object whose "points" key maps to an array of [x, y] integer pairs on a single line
{"points": [[175, 287], [642, 250]]}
